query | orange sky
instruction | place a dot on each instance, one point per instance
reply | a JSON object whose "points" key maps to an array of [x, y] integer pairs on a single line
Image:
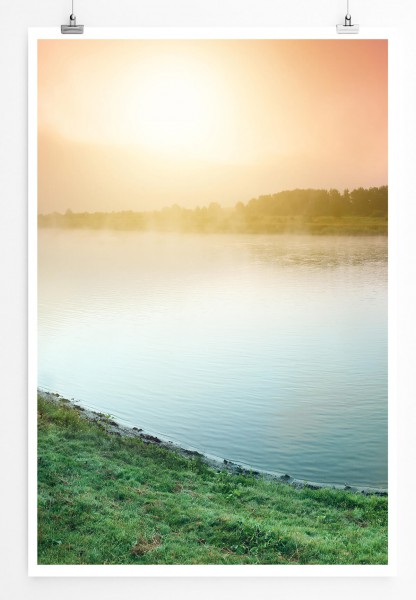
{"points": [[130, 124]]}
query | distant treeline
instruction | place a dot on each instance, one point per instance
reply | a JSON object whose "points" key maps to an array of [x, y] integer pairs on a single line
{"points": [[315, 211]]}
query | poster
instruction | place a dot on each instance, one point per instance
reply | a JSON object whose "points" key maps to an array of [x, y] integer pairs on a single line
{"points": [[209, 218]]}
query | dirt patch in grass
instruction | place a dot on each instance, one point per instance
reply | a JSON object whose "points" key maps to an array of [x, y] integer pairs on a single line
{"points": [[143, 545]]}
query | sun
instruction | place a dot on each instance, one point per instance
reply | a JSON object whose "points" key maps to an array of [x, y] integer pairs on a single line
{"points": [[178, 106]]}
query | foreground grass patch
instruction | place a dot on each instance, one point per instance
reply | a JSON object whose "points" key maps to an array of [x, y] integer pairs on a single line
{"points": [[104, 499]]}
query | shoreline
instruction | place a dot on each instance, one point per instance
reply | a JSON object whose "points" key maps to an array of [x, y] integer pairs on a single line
{"points": [[113, 427], [313, 231]]}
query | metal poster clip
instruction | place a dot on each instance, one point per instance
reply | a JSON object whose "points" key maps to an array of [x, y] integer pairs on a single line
{"points": [[348, 27], [72, 27]]}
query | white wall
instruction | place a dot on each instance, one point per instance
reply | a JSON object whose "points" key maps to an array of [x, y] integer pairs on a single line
{"points": [[16, 17]]}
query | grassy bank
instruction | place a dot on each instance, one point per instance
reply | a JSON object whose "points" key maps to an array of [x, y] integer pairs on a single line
{"points": [[299, 225], [106, 499]]}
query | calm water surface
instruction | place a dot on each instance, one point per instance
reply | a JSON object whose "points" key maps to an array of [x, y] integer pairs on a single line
{"points": [[268, 350]]}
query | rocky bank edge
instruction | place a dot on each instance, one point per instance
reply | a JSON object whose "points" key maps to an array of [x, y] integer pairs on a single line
{"points": [[114, 428]]}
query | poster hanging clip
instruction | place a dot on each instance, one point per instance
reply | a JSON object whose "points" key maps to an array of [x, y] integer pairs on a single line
{"points": [[72, 27], [347, 27]]}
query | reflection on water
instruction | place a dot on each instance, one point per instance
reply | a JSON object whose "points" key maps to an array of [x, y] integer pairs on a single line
{"points": [[270, 350]]}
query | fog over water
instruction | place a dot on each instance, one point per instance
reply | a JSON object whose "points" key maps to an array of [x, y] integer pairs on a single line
{"points": [[266, 349]]}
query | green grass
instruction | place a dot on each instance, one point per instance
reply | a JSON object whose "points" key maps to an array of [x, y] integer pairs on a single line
{"points": [[348, 225], [320, 225], [105, 499]]}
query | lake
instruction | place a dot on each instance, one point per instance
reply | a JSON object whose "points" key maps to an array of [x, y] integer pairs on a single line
{"points": [[269, 350]]}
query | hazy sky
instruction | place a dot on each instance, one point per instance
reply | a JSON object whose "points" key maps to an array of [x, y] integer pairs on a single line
{"points": [[131, 124]]}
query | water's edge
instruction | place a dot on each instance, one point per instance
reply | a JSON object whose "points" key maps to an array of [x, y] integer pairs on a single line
{"points": [[115, 428]]}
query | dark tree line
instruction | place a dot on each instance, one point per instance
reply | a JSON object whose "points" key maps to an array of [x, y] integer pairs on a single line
{"points": [[321, 203], [320, 211]]}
